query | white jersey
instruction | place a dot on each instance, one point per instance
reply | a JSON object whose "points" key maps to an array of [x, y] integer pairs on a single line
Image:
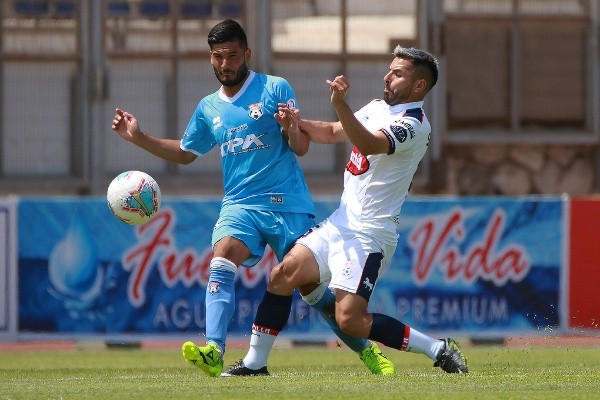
{"points": [[375, 186]]}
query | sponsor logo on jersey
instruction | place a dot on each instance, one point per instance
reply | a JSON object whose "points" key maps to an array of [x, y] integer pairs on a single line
{"points": [[358, 164], [237, 129], [400, 132], [244, 144], [410, 128], [255, 110]]}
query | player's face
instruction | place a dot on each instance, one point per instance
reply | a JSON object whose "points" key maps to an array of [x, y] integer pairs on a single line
{"points": [[400, 83], [229, 61]]}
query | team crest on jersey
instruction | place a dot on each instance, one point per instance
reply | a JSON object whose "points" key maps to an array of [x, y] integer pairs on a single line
{"points": [[358, 164], [255, 110]]}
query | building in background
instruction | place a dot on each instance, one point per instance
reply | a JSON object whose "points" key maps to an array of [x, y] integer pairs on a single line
{"points": [[515, 111]]}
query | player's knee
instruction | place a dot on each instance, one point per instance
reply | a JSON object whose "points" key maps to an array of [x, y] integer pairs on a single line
{"points": [[282, 280], [348, 323], [347, 326], [352, 318]]}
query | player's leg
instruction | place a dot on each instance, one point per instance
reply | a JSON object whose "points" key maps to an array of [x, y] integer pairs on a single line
{"points": [[355, 271], [235, 241], [290, 227], [354, 319], [322, 299], [297, 268]]}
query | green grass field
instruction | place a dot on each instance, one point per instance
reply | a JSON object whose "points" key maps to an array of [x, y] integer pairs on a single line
{"points": [[301, 373]]}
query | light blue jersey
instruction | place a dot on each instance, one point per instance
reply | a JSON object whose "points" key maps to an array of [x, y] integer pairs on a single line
{"points": [[260, 171]]}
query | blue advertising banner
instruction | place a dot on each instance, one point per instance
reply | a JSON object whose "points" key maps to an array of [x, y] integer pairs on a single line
{"points": [[477, 266]]}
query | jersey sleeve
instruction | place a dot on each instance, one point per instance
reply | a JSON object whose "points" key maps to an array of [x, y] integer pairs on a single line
{"points": [[406, 132], [284, 92], [198, 137]]}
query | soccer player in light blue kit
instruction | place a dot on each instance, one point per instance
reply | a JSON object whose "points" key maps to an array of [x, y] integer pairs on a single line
{"points": [[266, 198]]}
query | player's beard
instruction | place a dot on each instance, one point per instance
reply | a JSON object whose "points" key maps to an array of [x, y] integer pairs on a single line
{"points": [[392, 97], [239, 77]]}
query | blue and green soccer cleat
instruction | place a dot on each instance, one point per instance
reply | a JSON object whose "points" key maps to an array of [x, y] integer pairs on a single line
{"points": [[207, 358], [376, 361]]}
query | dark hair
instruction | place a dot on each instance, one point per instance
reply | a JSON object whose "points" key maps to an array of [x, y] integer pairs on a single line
{"points": [[227, 31], [424, 63]]}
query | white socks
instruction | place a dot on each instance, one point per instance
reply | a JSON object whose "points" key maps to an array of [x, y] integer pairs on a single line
{"points": [[423, 344], [260, 346]]}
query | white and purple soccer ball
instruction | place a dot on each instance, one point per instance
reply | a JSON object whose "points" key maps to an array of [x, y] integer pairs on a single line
{"points": [[134, 197]]}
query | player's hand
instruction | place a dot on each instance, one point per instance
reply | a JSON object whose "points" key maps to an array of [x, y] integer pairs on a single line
{"points": [[288, 118], [339, 88], [126, 125]]}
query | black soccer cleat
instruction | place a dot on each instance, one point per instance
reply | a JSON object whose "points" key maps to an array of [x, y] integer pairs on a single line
{"points": [[451, 359], [239, 369]]}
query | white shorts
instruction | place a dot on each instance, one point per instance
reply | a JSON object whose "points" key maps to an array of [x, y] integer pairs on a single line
{"points": [[349, 261]]}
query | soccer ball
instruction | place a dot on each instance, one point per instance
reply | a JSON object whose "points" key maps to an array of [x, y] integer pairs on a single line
{"points": [[133, 197]]}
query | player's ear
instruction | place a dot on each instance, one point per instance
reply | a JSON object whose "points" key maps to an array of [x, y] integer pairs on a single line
{"points": [[247, 55], [421, 86]]}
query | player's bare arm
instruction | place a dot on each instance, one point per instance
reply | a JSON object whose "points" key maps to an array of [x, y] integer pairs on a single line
{"points": [[288, 119], [126, 125], [314, 131], [322, 131], [365, 141]]}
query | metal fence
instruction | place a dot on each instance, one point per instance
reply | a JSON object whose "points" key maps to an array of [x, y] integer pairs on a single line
{"points": [[511, 71]]}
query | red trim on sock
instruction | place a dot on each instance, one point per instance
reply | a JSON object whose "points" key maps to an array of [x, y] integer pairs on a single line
{"points": [[266, 330], [405, 338]]}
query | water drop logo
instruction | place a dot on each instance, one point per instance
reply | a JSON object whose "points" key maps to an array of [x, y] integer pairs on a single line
{"points": [[74, 269]]}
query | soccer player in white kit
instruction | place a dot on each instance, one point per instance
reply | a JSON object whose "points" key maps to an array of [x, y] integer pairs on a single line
{"points": [[350, 250]]}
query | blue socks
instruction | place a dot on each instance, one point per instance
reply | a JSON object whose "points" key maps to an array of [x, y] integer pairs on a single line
{"points": [[220, 300], [326, 307]]}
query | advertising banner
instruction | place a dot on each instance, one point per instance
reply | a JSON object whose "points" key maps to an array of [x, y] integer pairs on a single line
{"points": [[485, 266], [479, 266]]}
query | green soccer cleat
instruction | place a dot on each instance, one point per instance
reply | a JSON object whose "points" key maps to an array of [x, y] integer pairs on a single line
{"points": [[451, 359], [207, 358], [376, 361]]}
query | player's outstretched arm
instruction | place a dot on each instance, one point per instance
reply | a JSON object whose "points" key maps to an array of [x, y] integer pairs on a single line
{"points": [[311, 131], [126, 125], [322, 131], [365, 141]]}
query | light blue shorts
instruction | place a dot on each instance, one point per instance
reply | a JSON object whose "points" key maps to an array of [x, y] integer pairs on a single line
{"points": [[258, 228]]}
